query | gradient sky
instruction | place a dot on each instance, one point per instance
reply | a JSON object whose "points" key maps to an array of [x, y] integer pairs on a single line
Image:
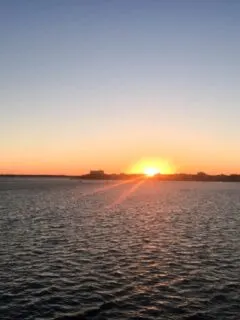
{"points": [[100, 84]]}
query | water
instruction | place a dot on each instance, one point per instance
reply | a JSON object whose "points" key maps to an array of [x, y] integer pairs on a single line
{"points": [[152, 250]]}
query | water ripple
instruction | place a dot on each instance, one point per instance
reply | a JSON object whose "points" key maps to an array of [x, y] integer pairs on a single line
{"points": [[73, 250]]}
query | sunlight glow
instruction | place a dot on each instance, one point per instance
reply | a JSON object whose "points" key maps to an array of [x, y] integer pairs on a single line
{"points": [[152, 166], [150, 172]]}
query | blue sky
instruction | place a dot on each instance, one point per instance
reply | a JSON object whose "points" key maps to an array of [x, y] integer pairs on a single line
{"points": [[104, 83]]}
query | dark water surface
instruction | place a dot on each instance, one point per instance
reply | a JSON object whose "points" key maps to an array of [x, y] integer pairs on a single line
{"points": [[152, 250]]}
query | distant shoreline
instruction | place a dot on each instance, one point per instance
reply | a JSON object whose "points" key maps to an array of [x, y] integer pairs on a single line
{"points": [[201, 177]]}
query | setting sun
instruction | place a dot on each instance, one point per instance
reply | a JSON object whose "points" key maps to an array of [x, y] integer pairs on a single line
{"points": [[150, 172], [152, 166]]}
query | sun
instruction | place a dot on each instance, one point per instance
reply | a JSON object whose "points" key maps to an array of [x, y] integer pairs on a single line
{"points": [[151, 167], [151, 171]]}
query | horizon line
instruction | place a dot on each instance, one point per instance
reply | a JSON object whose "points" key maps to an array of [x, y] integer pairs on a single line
{"points": [[199, 173]]}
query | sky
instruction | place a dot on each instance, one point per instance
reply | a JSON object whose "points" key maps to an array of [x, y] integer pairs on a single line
{"points": [[102, 84]]}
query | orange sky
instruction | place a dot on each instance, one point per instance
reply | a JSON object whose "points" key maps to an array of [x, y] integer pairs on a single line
{"points": [[61, 163]]}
